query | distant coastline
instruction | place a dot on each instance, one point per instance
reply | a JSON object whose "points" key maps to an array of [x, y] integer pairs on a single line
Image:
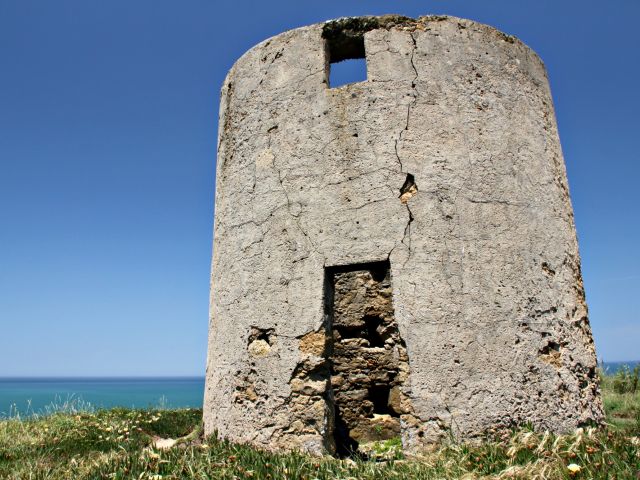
{"points": [[26, 396], [114, 378], [610, 368]]}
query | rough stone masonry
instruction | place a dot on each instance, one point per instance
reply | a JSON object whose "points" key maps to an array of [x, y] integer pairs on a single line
{"points": [[397, 256]]}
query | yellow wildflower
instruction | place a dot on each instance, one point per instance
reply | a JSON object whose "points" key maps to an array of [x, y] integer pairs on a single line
{"points": [[573, 468]]}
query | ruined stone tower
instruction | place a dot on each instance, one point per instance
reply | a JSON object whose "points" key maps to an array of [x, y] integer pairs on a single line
{"points": [[394, 257]]}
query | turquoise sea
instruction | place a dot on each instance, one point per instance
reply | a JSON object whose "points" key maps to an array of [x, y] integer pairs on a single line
{"points": [[27, 396]]}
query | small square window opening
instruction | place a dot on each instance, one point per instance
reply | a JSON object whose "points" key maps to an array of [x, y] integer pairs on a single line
{"points": [[347, 62]]}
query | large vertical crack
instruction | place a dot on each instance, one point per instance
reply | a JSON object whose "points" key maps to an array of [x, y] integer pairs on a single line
{"points": [[409, 188], [413, 65]]}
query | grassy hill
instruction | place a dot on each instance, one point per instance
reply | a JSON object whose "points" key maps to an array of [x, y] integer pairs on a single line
{"points": [[118, 444]]}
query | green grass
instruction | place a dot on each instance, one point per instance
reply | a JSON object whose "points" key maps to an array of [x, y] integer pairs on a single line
{"points": [[116, 444], [623, 409]]}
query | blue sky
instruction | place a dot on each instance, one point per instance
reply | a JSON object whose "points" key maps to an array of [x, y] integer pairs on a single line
{"points": [[108, 120]]}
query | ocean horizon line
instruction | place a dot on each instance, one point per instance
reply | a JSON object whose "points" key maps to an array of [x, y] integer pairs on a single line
{"points": [[201, 376], [32, 378], [101, 377]]}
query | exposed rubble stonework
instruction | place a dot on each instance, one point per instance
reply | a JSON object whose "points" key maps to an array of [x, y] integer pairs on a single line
{"points": [[368, 359], [394, 257]]}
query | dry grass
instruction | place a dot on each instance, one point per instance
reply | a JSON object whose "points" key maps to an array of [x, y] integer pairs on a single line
{"points": [[117, 444]]}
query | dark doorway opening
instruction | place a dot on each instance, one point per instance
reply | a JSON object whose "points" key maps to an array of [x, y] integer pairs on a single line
{"points": [[367, 360]]}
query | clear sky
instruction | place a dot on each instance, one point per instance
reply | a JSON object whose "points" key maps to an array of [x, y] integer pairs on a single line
{"points": [[108, 120]]}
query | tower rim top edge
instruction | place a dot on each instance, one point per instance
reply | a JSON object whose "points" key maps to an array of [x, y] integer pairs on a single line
{"points": [[361, 24]]}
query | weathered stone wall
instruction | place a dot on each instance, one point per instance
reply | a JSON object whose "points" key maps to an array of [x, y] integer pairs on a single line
{"points": [[446, 164]]}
